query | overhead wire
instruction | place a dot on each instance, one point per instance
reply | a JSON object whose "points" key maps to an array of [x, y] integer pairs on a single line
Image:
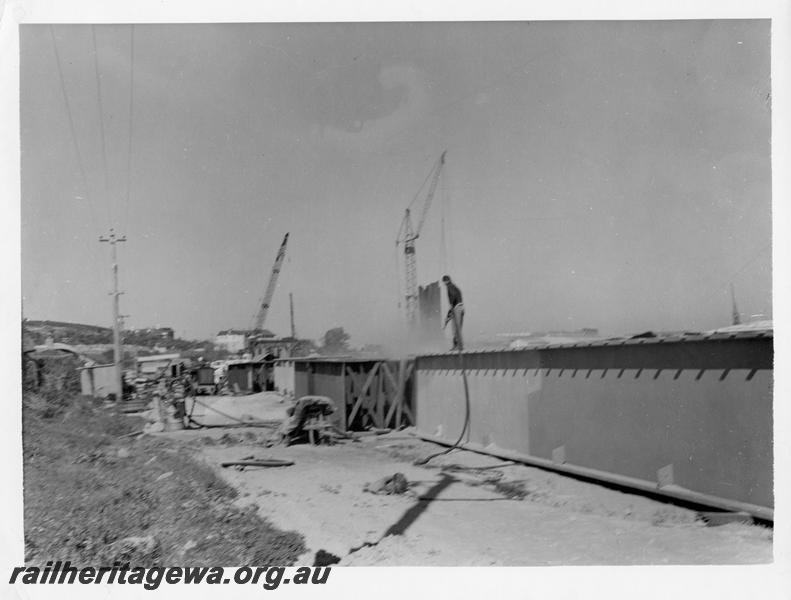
{"points": [[443, 248], [92, 248], [131, 121], [449, 247], [723, 286], [752, 260], [72, 129], [101, 123]]}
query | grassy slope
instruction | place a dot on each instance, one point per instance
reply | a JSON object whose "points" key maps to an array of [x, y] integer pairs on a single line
{"points": [[86, 487]]}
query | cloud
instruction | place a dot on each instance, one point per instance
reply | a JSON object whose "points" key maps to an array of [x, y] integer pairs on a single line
{"points": [[366, 107]]}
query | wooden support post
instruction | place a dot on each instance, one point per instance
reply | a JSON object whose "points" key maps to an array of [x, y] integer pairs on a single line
{"points": [[398, 397], [408, 368], [389, 375], [362, 393], [402, 378], [380, 405], [380, 401]]}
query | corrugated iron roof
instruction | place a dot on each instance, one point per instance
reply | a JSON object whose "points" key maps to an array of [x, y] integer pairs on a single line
{"points": [[689, 337]]}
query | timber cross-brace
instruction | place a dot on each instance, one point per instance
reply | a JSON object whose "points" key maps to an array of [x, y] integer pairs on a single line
{"points": [[380, 394]]}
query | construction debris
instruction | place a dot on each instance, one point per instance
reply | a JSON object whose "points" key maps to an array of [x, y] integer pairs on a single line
{"points": [[394, 484], [308, 418], [252, 461]]}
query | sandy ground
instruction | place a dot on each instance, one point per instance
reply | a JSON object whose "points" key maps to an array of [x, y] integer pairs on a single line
{"points": [[460, 509]]}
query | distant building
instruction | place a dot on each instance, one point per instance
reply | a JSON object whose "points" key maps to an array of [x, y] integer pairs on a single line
{"points": [[170, 365], [232, 340], [268, 347], [164, 333], [98, 381]]}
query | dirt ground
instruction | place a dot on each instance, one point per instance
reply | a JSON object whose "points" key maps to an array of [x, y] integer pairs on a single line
{"points": [[460, 509]]}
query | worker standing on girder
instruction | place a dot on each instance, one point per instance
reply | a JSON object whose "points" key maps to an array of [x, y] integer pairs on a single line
{"points": [[455, 312]]}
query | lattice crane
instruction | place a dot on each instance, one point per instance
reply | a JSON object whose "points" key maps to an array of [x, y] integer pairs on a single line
{"points": [[407, 236], [270, 288]]}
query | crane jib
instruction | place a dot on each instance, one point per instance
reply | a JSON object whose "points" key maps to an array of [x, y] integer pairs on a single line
{"points": [[407, 236], [270, 288]]}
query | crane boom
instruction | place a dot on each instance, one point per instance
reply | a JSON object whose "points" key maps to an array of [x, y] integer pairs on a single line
{"points": [[430, 195], [270, 288], [407, 236]]}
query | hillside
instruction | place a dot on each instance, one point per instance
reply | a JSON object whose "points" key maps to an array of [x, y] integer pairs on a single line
{"points": [[82, 335]]}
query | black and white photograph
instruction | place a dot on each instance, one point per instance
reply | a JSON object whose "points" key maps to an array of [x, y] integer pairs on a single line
{"points": [[298, 296]]}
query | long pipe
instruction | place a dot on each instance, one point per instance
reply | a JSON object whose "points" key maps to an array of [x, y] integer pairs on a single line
{"points": [[669, 491]]}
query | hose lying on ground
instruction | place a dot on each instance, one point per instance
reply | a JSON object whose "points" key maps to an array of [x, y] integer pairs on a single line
{"points": [[264, 462]]}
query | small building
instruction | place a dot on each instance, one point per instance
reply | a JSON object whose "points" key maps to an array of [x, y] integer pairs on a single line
{"points": [[284, 376], [164, 333], [97, 380], [269, 347], [366, 392], [249, 376], [171, 365], [203, 379], [232, 340]]}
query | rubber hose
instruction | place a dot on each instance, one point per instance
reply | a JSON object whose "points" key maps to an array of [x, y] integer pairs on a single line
{"points": [[423, 461]]}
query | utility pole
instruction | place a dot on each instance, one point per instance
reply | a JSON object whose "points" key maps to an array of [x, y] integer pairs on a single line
{"points": [[112, 239]]}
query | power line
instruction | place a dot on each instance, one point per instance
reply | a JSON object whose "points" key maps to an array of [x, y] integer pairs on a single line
{"points": [[752, 260], [71, 126], [101, 121], [722, 286], [131, 113]]}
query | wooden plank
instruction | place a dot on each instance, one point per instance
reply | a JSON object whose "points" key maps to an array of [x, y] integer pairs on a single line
{"points": [[362, 394], [380, 405], [357, 391], [352, 378], [370, 405], [357, 380], [403, 406], [390, 393], [389, 375], [410, 367], [408, 411], [341, 418], [398, 397]]}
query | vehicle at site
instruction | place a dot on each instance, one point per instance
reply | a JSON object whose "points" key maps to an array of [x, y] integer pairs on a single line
{"points": [[203, 380]]}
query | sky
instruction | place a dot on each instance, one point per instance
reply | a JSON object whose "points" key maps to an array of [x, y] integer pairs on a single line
{"points": [[613, 175]]}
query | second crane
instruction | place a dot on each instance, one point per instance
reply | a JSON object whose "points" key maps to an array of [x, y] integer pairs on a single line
{"points": [[407, 236], [270, 288]]}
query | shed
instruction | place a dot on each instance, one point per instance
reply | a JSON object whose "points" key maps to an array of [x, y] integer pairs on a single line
{"points": [[97, 380], [248, 376], [367, 392], [284, 376], [153, 365]]}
